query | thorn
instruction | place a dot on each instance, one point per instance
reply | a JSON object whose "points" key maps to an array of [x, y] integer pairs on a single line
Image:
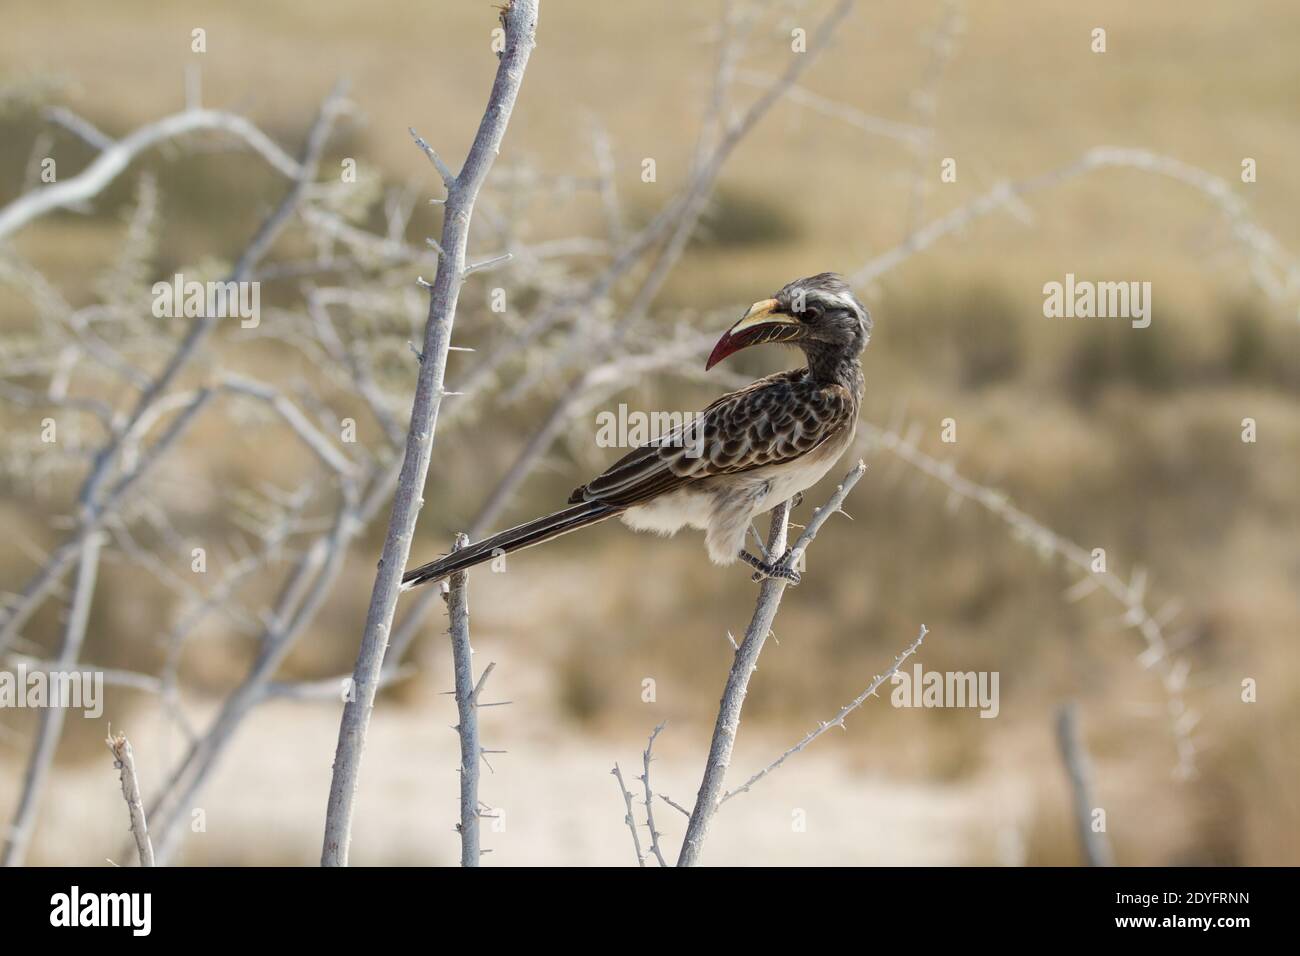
{"points": [[473, 697], [487, 263], [444, 170]]}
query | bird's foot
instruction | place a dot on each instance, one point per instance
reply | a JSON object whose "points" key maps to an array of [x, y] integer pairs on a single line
{"points": [[797, 500], [772, 569]]}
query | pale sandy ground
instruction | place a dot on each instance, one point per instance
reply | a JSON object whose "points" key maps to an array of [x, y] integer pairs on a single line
{"points": [[266, 802]]}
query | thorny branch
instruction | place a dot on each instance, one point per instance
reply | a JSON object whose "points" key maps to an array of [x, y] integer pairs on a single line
{"points": [[1159, 653], [125, 762], [744, 665], [629, 819], [462, 191], [466, 709], [836, 721], [124, 468]]}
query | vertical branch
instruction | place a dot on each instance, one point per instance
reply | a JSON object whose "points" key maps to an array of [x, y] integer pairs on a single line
{"points": [[629, 819], [679, 222], [520, 28], [1096, 849], [124, 760], [649, 797], [51, 724], [466, 706], [733, 698], [746, 662]]}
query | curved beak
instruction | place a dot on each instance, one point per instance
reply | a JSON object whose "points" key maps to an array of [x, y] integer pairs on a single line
{"points": [[764, 322]]}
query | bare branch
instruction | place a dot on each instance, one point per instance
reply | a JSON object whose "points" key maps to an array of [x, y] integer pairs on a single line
{"points": [[489, 264], [837, 720], [1158, 654], [115, 156], [51, 722], [125, 762], [520, 29], [96, 502], [82, 128], [628, 818], [746, 662], [675, 805], [1275, 270], [649, 796], [1069, 738], [448, 177], [467, 726]]}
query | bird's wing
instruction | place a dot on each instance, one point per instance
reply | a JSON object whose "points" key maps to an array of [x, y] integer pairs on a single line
{"points": [[776, 419]]}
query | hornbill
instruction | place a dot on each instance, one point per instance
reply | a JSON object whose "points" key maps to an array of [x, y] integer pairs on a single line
{"points": [[744, 454]]}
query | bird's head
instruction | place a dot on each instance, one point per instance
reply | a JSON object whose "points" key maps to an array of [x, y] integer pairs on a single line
{"points": [[818, 314]]}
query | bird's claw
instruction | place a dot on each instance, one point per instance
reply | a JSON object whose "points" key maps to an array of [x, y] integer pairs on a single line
{"points": [[790, 575], [776, 569]]}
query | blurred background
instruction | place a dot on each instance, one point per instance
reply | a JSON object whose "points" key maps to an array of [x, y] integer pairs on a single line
{"points": [[1099, 433]]}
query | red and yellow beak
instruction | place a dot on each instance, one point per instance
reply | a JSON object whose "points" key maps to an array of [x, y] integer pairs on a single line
{"points": [[764, 322]]}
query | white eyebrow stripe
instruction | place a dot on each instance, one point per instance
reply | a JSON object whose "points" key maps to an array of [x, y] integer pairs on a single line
{"points": [[835, 300]]}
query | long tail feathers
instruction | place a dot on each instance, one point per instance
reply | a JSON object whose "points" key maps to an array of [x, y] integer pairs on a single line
{"points": [[514, 539]]}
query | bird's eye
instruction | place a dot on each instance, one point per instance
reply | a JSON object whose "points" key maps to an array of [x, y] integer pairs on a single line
{"points": [[810, 312]]}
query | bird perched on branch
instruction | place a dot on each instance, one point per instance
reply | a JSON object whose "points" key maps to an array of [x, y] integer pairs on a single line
{"points": [[746, 453]]}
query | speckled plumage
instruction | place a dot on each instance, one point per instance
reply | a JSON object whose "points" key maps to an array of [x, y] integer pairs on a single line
{"points": [[744, 454]]}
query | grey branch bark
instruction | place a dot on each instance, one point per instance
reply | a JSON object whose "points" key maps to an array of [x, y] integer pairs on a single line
{"points": [[462, 190], [838, 720], [115, 156], [99, 502], [676, 226], [1130, 595], [51, 723], [733, 698], [125, 762], [1275, 270], [744, 665], [629, 819], [1096, 848], [649, 797], [298, 603], [467, 709]]}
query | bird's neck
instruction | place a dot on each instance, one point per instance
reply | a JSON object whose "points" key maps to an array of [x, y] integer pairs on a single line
{"points": [[831, 366]]}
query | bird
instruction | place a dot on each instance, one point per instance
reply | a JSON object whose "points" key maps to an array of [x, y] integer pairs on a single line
{"points": [[743, 455]]}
